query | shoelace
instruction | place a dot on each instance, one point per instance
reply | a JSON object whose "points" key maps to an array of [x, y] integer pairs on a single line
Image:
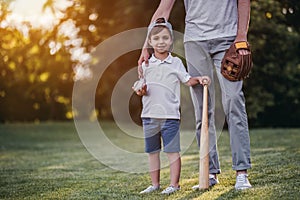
{"points": [[242, 178], [170, 188], [211, 176]]}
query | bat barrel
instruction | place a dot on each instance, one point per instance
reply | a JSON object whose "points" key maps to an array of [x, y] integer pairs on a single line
{"points": [[204, 144]]}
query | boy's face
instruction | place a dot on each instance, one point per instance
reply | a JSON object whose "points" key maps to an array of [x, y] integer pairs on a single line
{"points": [[161, 42]]}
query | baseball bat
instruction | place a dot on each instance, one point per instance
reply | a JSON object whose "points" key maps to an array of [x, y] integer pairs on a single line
{"points": [[204, 143]]}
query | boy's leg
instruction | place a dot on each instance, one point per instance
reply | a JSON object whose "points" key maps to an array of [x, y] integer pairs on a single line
{"points": [[171, 139], [175, 168], [154, 168], [153, 147]]}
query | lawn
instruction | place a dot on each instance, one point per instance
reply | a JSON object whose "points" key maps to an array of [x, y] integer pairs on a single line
{"points": [[49, 161]]}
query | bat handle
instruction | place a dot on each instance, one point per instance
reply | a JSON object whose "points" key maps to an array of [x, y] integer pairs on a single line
{"points": [[205, 81]]}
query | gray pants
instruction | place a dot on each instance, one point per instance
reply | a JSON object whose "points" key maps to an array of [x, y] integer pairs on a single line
{"points": [[202, 57]]}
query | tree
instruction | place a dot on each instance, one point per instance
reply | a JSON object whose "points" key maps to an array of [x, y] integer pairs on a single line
{"points": [[38, 65], [272, 91]]}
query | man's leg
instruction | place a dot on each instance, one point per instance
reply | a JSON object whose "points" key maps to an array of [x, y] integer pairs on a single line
{"points": [[233, 101], [234, 107], [199, 64]]}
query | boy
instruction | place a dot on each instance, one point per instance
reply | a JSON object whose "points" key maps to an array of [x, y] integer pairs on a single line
{"points": [[161, 102]]}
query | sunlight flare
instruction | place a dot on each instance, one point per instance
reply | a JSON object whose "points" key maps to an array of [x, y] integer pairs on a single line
{"points": [[37, 13]]}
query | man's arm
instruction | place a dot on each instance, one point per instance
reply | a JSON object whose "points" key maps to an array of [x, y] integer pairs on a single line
{"points": [[243, 20], [163, 10], [243, 23]]}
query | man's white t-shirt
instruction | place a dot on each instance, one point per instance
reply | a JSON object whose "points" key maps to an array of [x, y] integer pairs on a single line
{"points": [[210, 19], [163, 80]]}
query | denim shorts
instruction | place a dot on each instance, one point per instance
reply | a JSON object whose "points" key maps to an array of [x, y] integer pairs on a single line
{"points": [[167, 130]]}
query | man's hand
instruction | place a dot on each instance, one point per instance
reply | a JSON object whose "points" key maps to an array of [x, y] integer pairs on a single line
{"points": [[144, 57], [242, 51]]}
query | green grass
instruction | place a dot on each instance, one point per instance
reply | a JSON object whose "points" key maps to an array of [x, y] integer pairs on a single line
{"points": [[48, 161]]}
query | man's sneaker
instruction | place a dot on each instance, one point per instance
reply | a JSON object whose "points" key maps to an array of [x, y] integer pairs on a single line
{"points": [[242, 182], [149, 189], [170, 190], [211, 182]]}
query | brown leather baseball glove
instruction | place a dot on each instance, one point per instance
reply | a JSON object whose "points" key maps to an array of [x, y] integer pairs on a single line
{"points": [[234, 66]]}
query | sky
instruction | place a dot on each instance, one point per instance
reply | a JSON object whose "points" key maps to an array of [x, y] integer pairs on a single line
{"points": [[27, 7], [31, 11]]}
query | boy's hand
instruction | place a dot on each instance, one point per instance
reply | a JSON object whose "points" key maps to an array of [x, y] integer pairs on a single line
{"points": [[142, 91], [140, 87], [204, 80]]}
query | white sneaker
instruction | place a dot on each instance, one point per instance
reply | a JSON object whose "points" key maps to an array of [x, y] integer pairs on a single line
{"points": [[211, 182], [242, 182], [149, 189], [170, 190]]}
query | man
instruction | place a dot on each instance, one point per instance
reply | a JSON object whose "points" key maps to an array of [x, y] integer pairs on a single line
{"points": [[210, 28]]}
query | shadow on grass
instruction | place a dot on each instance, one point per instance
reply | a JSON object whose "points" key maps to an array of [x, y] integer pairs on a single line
{"points": [[194, 194], [231, 194]]}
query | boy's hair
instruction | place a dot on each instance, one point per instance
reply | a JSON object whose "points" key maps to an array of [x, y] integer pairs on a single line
{"points": [[161, 22], [157, 29]]}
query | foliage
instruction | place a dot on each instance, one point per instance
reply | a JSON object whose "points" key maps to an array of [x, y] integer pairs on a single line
{"points": [[36, 70], [38, 65], [272, 91], [48, 161]]}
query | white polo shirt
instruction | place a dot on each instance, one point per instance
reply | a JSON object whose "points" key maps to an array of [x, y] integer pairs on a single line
{"points": [[163, 80]]}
